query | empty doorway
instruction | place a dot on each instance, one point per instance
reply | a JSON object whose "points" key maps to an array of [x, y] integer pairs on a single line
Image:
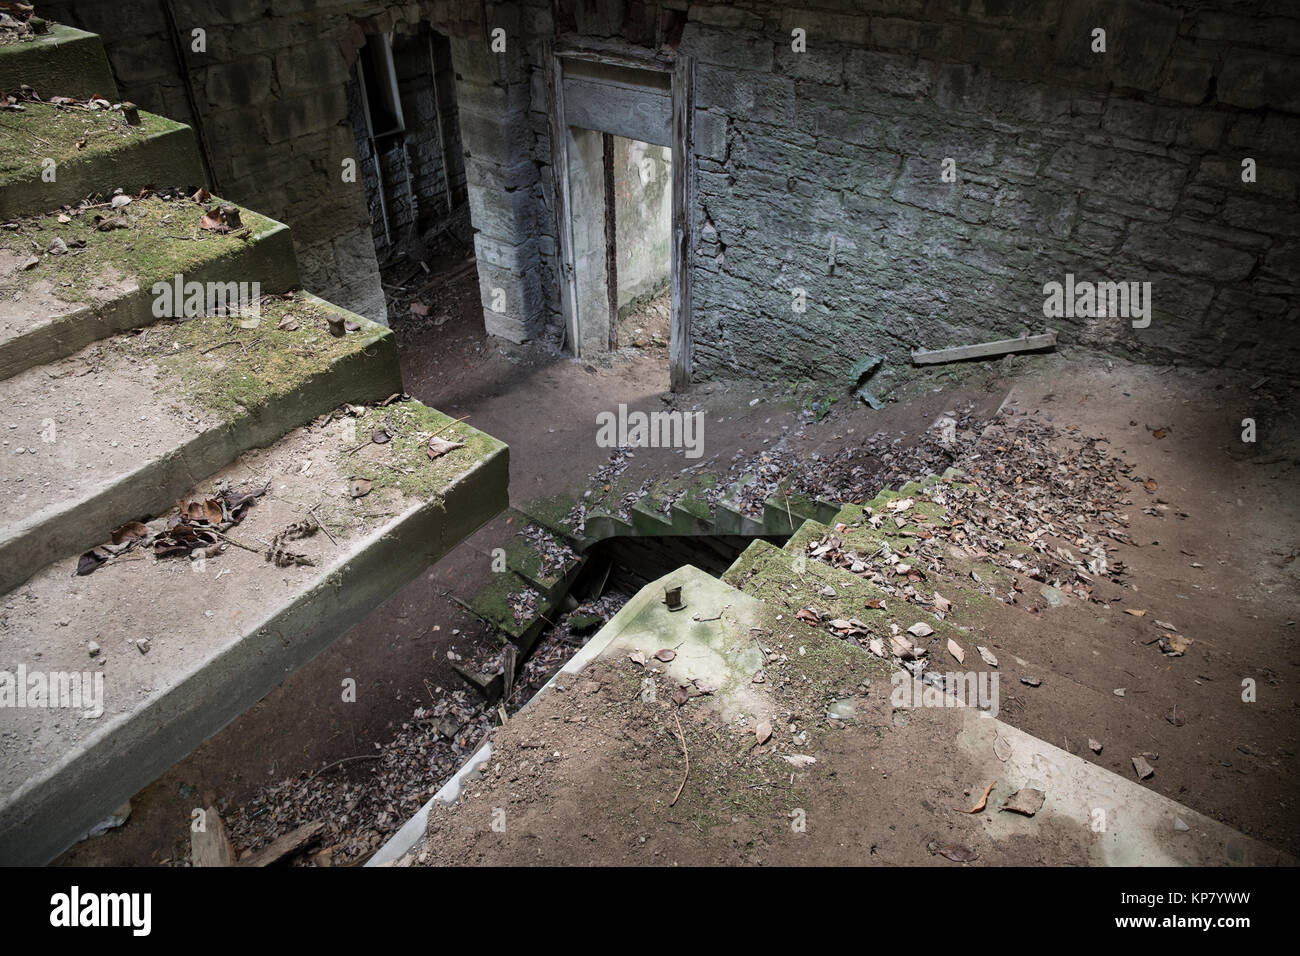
{"points": [[620, 133]]}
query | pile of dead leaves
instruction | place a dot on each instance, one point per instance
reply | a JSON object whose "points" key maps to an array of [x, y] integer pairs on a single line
{"points": [[553, 556], [196, 527]]}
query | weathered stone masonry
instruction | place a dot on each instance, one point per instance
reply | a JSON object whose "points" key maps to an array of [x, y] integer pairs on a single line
{"points": [[821, 170]]}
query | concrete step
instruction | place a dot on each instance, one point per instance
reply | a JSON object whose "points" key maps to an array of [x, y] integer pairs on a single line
{"points": [[551, 568], [649, 519], [54, 304], [61, 62], [514, 608], [223, 631], [120, 429], [55, 155]]}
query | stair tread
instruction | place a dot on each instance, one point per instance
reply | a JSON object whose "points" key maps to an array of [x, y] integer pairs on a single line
{"points": [[225, 630], [120, 428], [65, 301]]}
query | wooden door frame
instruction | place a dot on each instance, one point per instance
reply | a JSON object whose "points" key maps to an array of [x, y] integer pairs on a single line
{"points": [[681, 72]]}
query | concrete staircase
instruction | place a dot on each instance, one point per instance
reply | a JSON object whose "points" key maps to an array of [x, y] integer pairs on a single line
{"points": [[279, 428], [680, 507], [528, 595]]}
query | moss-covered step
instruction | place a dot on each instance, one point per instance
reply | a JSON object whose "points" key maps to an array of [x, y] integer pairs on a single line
{"points": [[185, 646], [687, 499], [54, 155], [784, 512], [541, 558], [118, 430], [649, 519], [496, 602], [60, 62], [65, 284], [728, 517]]}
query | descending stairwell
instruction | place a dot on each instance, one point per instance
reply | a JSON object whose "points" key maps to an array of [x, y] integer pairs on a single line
{"points": [[528, 594], [275, 437]]}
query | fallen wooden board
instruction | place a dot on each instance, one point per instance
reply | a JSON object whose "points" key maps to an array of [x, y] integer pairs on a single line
{"points": [[1025, 343], [210, 846], [282, 846]]}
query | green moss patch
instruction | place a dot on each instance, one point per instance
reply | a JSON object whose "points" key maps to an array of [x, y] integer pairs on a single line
{"points": [[403, 463], [68, 135], [220, 365], [162, 238]]}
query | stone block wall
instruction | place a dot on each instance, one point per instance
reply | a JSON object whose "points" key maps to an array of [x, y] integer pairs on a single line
{"points": [[408, 192], [822, 171]]}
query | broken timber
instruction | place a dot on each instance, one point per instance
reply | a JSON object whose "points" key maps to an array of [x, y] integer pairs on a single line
{"points": [[1025, 343]]}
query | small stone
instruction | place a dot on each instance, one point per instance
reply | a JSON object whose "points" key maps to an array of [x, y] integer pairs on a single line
{"points": [[1094, 745], [143, 645], [93, 649]]}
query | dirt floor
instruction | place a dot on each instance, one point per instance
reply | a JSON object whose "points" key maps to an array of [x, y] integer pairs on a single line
{"points": [[1240, 603], [589, 776]]}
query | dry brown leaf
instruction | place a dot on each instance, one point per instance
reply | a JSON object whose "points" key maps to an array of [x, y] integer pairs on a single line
{"points": [[982, 802], [440, 446], [129, 531], [958, 853]]}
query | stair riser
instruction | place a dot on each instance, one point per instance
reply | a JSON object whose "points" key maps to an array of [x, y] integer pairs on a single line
{"points": [[154, 486], [268, 259], [53, 811]]}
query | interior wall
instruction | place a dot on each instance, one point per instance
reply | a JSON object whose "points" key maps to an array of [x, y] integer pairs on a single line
{"points": [[643, 218]]}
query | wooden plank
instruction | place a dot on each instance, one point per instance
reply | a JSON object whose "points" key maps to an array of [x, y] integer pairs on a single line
{"points": [[679, 339], [560, 181], [620, 109], [284, 845], [1026, 343], [210, 846]]}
